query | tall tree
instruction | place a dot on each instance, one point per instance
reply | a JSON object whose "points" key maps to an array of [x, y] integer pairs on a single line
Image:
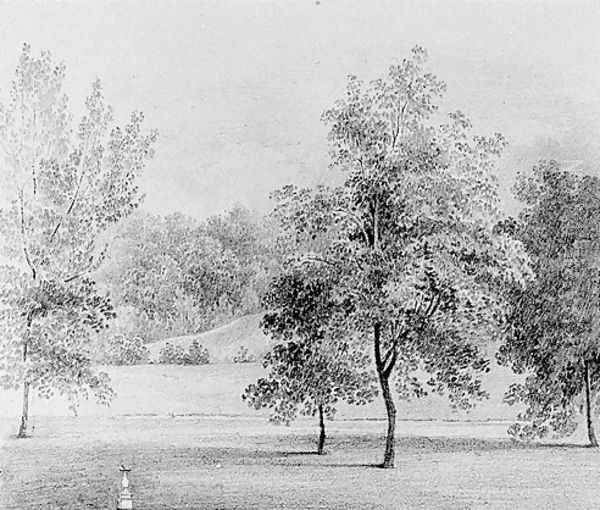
{"points": [[411, 232], [552, 332], [63, 189], [312, 367]]}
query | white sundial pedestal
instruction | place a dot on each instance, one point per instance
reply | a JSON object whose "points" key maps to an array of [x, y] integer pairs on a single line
{"points": [[125, 497]]}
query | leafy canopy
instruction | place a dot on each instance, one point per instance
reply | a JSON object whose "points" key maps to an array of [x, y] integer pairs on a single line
{"points": [[552, 326], [312, 365], [63, 187], [410, 231]]}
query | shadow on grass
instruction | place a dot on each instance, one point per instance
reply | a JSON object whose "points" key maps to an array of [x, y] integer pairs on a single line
{"points": [[342, 451], [356, 465], [335, 465], [300, 453], [424, 444], [562, 445]]}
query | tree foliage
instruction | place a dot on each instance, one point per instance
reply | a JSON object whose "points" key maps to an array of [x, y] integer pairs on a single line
{"points": [[312, 367], [184, 276], [244, 356], [122, 349], [411, 234], [171, 354], [552, 326], [63, 187]]}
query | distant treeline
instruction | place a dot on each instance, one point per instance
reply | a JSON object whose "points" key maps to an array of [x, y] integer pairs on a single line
{"points": [[175, 275]]}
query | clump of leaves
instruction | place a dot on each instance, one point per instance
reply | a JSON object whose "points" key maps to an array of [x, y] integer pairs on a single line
{"points": [[172, 355]]}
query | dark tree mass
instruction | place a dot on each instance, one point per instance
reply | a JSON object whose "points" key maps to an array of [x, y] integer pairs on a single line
{"points": [[552, 325]]}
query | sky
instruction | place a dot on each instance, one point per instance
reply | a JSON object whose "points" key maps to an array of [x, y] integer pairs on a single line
{"points": [[236, 88]]}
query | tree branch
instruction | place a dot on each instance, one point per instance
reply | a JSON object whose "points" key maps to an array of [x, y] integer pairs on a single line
{"points": [[24, 239], [69, 209], [313, 258], [80, 168], [377, 342], [433, 305], [358, 223], [391, 358]]}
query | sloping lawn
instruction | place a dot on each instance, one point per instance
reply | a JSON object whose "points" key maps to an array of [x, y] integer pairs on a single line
{"points": [[218, 463], [216, 389]]}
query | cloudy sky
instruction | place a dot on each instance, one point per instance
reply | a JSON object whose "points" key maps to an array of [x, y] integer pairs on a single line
{"points": [[236, 88]]}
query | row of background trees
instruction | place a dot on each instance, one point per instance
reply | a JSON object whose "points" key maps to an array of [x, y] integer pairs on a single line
{"points": [[174, 275], [408, 267]]}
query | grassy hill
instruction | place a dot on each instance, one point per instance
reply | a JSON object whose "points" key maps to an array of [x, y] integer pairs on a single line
{"points": [[215, 389], [223, 343]]}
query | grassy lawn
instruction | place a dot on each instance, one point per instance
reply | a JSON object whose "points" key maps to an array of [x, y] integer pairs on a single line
{"points": [[226, 463], [216, 389]]}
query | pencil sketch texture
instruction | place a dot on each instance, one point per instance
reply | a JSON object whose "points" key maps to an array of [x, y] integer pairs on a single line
{"points": [[299, 255]]}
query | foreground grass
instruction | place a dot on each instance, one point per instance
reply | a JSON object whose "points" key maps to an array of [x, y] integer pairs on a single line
{"points": [[239, 463]]}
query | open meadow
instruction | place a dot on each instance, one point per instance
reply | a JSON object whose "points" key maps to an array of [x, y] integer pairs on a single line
{"points": [[241, 463], [192, 443]]}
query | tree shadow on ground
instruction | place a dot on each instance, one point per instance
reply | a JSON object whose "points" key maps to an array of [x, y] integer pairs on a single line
{"points": [[299, 453], [446, 444], [560, 445]]}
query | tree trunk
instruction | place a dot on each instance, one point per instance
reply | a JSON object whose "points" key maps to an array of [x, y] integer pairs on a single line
{"points": [[321, 446], [25, 414], [384, 371], [390, 408], [588, 406], [389, 455]]}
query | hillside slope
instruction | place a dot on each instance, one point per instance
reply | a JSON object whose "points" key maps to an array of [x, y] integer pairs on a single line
{"points": [[223, 343], [216, 389]]}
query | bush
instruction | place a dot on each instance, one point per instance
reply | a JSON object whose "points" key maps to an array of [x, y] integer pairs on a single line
{"points": [[175, 355], [243, 356], [197, 355], [172, 355], [123, 350]]}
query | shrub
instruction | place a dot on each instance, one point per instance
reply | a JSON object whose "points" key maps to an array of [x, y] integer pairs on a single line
{"points": [[197, 355], [124, 350], [175, 355], [243, 356], [172, 355]]}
